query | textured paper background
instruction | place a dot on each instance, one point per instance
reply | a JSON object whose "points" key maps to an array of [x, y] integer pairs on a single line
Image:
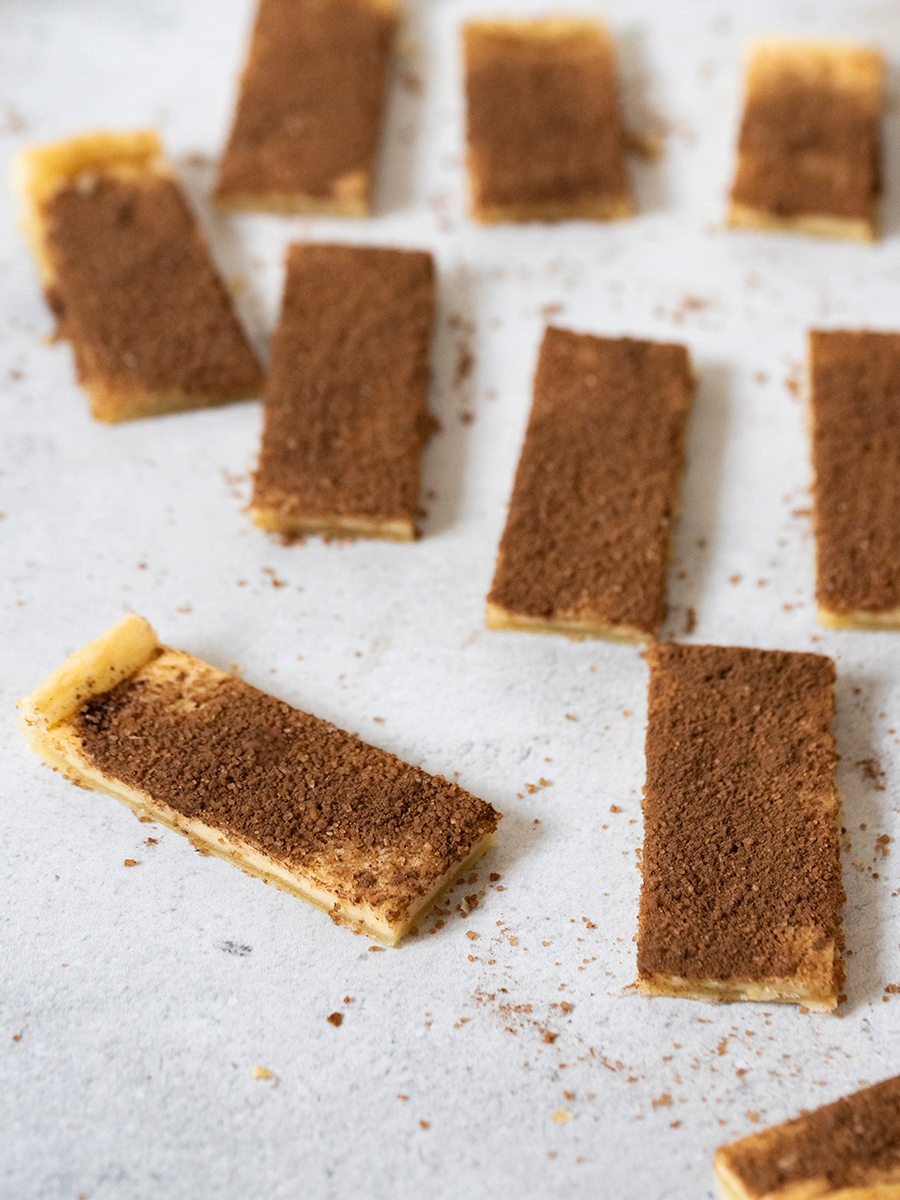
{"points": [[143, 998]]}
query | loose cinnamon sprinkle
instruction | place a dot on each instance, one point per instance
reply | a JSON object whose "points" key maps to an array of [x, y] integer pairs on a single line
{"points": [[851, 1143], [310, 102], [345, 415], [587, 534], [739, 761], [335, 1019], [214, 748], [137, 295], [856, 458]]}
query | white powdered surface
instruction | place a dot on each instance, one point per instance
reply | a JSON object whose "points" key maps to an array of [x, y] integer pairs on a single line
{"points": [[136, 1002]]}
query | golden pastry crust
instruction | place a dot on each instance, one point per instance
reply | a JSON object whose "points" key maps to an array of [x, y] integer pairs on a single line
{"points": [[138, 721], [526, 81], [126, 271], [809, 142]]}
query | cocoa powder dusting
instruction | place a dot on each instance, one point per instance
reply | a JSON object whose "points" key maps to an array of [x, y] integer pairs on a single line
{"points": [[217, 750], [310, 101], [856, 458], [543, 124], [807, 146], [588, 528], [741, 865], [853, 1143], [137, 294], [345, 415]]}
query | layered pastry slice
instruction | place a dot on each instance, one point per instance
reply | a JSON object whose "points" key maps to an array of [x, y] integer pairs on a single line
{"points": [[848, 1150], [585, 551], [129, 278], [809, 143], [284, 796], [305, 132], [345, 416], [741, 876], [854, 405], [544, 132]]}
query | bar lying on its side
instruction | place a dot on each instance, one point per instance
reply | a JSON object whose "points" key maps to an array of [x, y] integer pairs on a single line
{"points": [[854, 402], [544, 132], [585, 551], [848, 1150], [741, 874], [809, 144], [129, 278], [305, 131], [345, 413], [284, 796]]}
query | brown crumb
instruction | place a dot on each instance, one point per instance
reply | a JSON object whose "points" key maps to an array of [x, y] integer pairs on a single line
{"points": [[130, 862], [261, 1073], [690, 623], [734, 578], [494, 877], [614, 808], [375, 949], [400, 1096], [569, 717], [662, 1101], [335, 1019], [471, 935], [425, 1124]]}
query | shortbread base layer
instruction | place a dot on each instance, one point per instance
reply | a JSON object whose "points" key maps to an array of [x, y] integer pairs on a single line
{"points": [[577, 629], [128, 648], [742, 216], [275, 521], [113, 406], [292, 204], [728, 991], [859, 618], [579, 210]]}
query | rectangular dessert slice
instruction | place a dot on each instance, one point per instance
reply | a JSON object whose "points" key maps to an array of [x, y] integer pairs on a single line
{"points": [[127, 273], [848, 1150], [808, 149], [585, 550], [306, 127], [854, 408], [544, 133], [741, 873], [310, 809], [345, 416]]}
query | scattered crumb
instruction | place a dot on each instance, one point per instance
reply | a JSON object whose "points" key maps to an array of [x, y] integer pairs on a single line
{"points": [[400, 1096], [471, 935], [130, 862], [690, 623], [335, 1019], [734, 578], [562, 1116], [425, 1124], [376, 949], [261, 1073]]}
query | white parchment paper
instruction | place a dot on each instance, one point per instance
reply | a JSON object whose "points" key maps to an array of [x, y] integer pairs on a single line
{"points": [[136, 1002]]}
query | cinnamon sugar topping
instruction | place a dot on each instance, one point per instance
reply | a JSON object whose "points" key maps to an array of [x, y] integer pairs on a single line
{"points": [[741, 865]]}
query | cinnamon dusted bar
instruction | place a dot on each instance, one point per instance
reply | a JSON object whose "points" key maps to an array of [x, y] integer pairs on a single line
{"points": [[808, 149], [129, 278], [741, 891], [854, 402], [345, 416], [586, 545], [848, 1150], [310, 809], [306, 127], [543, 124]]}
